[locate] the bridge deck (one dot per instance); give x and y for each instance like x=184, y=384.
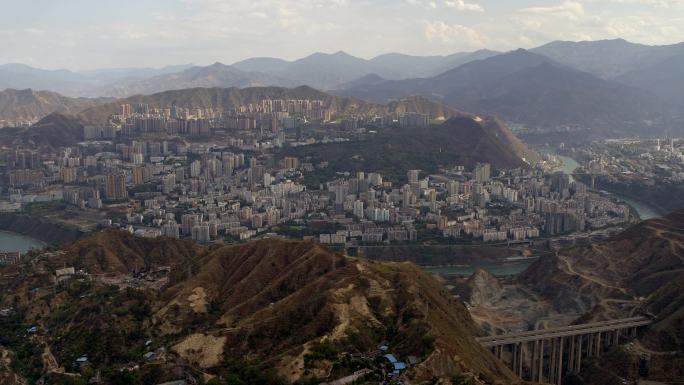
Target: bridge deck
x=566, y=331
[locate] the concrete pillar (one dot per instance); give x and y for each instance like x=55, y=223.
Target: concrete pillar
x=514, y=361
x=590, y=345
x=521, y=359
x=578, y=361
x=560, y=361
x=533, y=361
x=597, y=346
x=616, y=335
x=540, y=365
x=571, y=354
x=552, y=361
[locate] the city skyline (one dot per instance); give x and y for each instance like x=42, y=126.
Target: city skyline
x=79, y=35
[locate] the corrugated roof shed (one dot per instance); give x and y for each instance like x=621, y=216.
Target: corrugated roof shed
x=390, y=357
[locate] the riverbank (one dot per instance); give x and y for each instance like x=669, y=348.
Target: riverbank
x=509, y=267
x=443, y=255
x=645, y=210
x=649, y=202
x=50, y=233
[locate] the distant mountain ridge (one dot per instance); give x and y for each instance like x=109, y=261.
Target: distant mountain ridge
x=332, y=70
x=606, y=88
x=608, y=58
x=74, y=84
x=530, y=89
x=319, y=70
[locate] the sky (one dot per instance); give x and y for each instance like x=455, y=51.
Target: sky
x=89, y=34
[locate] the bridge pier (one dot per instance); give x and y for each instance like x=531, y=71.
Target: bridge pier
x=540, y=364
x=521, y=358
x=578, y=362
x=597, y=345
x=571, y=355
x=552, y=359
x=559, y=371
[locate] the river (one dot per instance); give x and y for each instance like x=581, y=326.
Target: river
x=17, y=242
x=644, y=211
x=499, y=269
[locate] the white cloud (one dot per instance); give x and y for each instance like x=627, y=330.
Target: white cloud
x=441, y=32
x=461, y=5
x=567, y=8
x=205, y=31
x=649, y=3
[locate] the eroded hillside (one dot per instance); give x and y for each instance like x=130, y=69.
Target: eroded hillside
x=274, y=310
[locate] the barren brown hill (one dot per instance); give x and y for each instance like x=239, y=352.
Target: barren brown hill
x=635, y=263
x=640, y=271
x=29, y=104
x=54, y=130
x=463, y=140
x=265, y=312
x=117, y=252
x=275, y=301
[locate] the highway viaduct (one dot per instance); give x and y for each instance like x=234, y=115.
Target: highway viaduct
x=548, y=355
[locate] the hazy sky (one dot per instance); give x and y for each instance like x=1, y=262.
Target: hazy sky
x=86, y=34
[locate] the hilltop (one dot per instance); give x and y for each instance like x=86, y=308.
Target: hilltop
x=115, y=252
x=464, y=140
x=28, y=104
x=54, y=130
x=270, y=311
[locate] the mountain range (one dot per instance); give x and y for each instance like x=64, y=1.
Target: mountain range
x=319, y=70
x=608, y=88
x=532, y=90
x=93, y=83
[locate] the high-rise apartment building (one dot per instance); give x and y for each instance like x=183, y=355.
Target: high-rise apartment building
x=115, y=186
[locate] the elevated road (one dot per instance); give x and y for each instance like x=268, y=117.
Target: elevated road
x=566, y=331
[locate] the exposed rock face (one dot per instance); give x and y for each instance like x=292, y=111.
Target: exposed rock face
x=484, y=287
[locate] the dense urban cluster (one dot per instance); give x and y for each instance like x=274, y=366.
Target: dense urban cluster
x=647, y=162
x=236, y=187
